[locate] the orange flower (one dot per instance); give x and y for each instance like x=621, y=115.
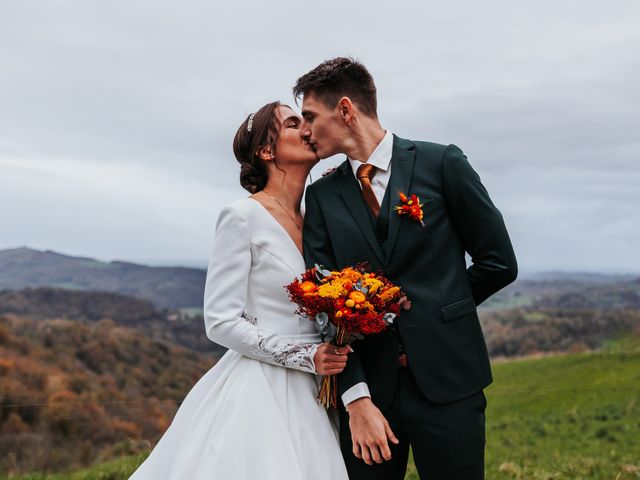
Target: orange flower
x=389, y=293
x=357, y=297
x=351, y=274
x=308, y=287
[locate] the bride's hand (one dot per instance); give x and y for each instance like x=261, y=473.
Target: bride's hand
x=330, y=360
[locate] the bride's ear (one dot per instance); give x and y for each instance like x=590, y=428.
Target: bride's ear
x=265, y=153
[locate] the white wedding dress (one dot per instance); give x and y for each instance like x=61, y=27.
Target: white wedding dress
x=254, y=415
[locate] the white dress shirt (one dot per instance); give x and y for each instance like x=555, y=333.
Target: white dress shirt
x=381, y=159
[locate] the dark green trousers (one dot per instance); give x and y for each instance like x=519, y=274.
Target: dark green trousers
x=447, y=439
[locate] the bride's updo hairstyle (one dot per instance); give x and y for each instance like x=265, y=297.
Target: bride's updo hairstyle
x=258, y=130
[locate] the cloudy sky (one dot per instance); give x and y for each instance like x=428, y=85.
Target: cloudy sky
x=116, y=118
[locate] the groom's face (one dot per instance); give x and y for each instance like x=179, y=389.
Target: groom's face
x=322, y=127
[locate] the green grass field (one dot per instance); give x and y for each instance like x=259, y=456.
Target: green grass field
x=568, y=417
x=118, y=469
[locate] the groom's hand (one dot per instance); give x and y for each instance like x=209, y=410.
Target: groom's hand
x=404, y=303
x=370, y=432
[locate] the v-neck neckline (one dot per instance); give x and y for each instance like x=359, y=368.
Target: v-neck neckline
x=284, y=230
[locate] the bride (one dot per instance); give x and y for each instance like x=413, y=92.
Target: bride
x=254, y=414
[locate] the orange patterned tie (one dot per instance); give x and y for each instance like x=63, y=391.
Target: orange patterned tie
x=365, y=174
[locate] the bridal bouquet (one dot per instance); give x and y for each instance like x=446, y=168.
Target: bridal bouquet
x=345, y=305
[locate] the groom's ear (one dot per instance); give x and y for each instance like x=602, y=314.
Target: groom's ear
x=265, y=153
x=345, y=109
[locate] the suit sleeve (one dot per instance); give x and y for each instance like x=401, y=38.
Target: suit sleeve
x=226, y=321
x=317, y=249
x=479, y=225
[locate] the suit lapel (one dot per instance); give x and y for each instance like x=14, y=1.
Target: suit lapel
x=352, y=196
x=402, y=161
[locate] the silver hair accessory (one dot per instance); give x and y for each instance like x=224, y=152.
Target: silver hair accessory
x=250, y=122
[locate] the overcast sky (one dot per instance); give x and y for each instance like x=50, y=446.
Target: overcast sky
x=116, y=118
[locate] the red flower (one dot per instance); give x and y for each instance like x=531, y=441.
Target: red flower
x=411, y=207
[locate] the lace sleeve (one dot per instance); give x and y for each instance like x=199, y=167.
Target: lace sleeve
x=225, y=319
x=274, y=349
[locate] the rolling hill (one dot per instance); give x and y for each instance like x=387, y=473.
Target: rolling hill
x=74, y=392
x=182, y=288
x=166, y=287
x=89, y=307
x=95, y=357
x=564, y=417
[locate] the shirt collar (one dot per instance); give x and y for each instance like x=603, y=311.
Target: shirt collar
x=381, y=155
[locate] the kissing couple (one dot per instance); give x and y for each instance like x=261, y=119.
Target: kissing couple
x=254, y=415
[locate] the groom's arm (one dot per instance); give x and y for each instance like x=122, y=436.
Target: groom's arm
x=479, y=225
x=370, y=431
x=317, y=249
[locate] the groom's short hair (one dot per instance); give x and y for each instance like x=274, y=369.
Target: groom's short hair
x=337, y=78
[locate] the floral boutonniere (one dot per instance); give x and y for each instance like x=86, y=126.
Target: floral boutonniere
x=411, y=207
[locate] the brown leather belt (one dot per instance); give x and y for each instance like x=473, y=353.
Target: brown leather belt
x=402, y=360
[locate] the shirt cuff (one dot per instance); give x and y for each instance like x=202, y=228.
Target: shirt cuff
x=359, y=390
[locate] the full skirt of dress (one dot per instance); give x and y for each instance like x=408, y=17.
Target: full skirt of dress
x=246, y=419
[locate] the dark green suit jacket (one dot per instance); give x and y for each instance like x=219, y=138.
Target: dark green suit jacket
x=441, y=334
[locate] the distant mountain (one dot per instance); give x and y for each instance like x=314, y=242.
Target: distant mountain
x=577, y=277
x=560, y=312
x=89, y=307
x=566, y=289
x=166, y=287
x=533, y=330
x=604, y=296
x=183, y=288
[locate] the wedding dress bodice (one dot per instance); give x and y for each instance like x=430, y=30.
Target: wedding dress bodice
x=246, y=307
x=260, y=396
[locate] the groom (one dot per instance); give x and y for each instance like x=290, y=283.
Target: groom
x=420, y=384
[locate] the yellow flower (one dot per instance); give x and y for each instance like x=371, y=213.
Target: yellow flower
x=373, y=284
x=330, y=290
x=389, y=294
